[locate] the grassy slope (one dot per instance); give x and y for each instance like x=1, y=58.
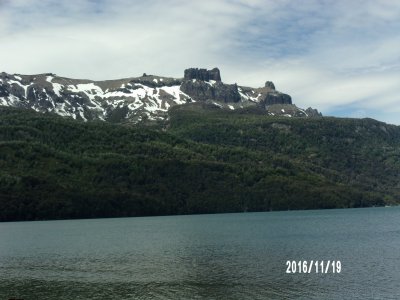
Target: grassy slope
x=207, y=161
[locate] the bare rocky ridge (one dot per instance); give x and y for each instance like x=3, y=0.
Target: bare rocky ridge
x=135, y=99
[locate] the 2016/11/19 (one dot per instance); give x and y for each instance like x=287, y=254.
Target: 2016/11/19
x=317, y=266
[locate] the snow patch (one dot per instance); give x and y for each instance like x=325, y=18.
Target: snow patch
x=60, y=110
x=210, y=82
x=135, y=105
x=13, y=100
x=176, y=92
x=303, y=111
x=217, y=104
x=90, y=89
x=3, y=101
x=81, y=113
x=57, y=88
x=247, y=97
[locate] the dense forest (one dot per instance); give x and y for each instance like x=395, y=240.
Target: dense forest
x=202, y=160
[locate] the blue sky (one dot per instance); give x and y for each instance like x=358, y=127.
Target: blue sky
x=341, y=57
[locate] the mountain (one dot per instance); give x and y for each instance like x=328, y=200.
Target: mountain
x=154, y=145
x=203, y=159
x=137, y=99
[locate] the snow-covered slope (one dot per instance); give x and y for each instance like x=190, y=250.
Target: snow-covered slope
x=134, y=99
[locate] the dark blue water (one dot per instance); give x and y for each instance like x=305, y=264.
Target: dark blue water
x=225, y=256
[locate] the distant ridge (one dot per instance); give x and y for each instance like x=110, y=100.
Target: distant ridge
x=135, y=99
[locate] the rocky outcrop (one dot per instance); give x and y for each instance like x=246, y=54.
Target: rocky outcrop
x=270, y=85
x=312, y=112
x=197, y=85
x=226, y=92
x=270, y=96
x=276, y=98
x=202, y=74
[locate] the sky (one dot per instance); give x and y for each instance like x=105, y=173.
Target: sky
x=341, y=57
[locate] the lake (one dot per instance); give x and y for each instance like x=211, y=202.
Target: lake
x=221, y=256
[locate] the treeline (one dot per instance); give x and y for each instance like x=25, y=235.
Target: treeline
x=200, y=162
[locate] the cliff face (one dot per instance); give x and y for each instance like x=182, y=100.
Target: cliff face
x=202, y=74
x=148, y=97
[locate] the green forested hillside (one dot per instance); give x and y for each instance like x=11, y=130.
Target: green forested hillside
x=202, y=161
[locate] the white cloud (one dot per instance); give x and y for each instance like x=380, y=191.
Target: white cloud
x=327, y=54
x=125, y=41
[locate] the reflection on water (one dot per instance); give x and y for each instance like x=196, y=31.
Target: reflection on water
x=228, y=256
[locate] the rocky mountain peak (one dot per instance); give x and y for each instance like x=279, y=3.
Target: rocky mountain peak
x=202, y=74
